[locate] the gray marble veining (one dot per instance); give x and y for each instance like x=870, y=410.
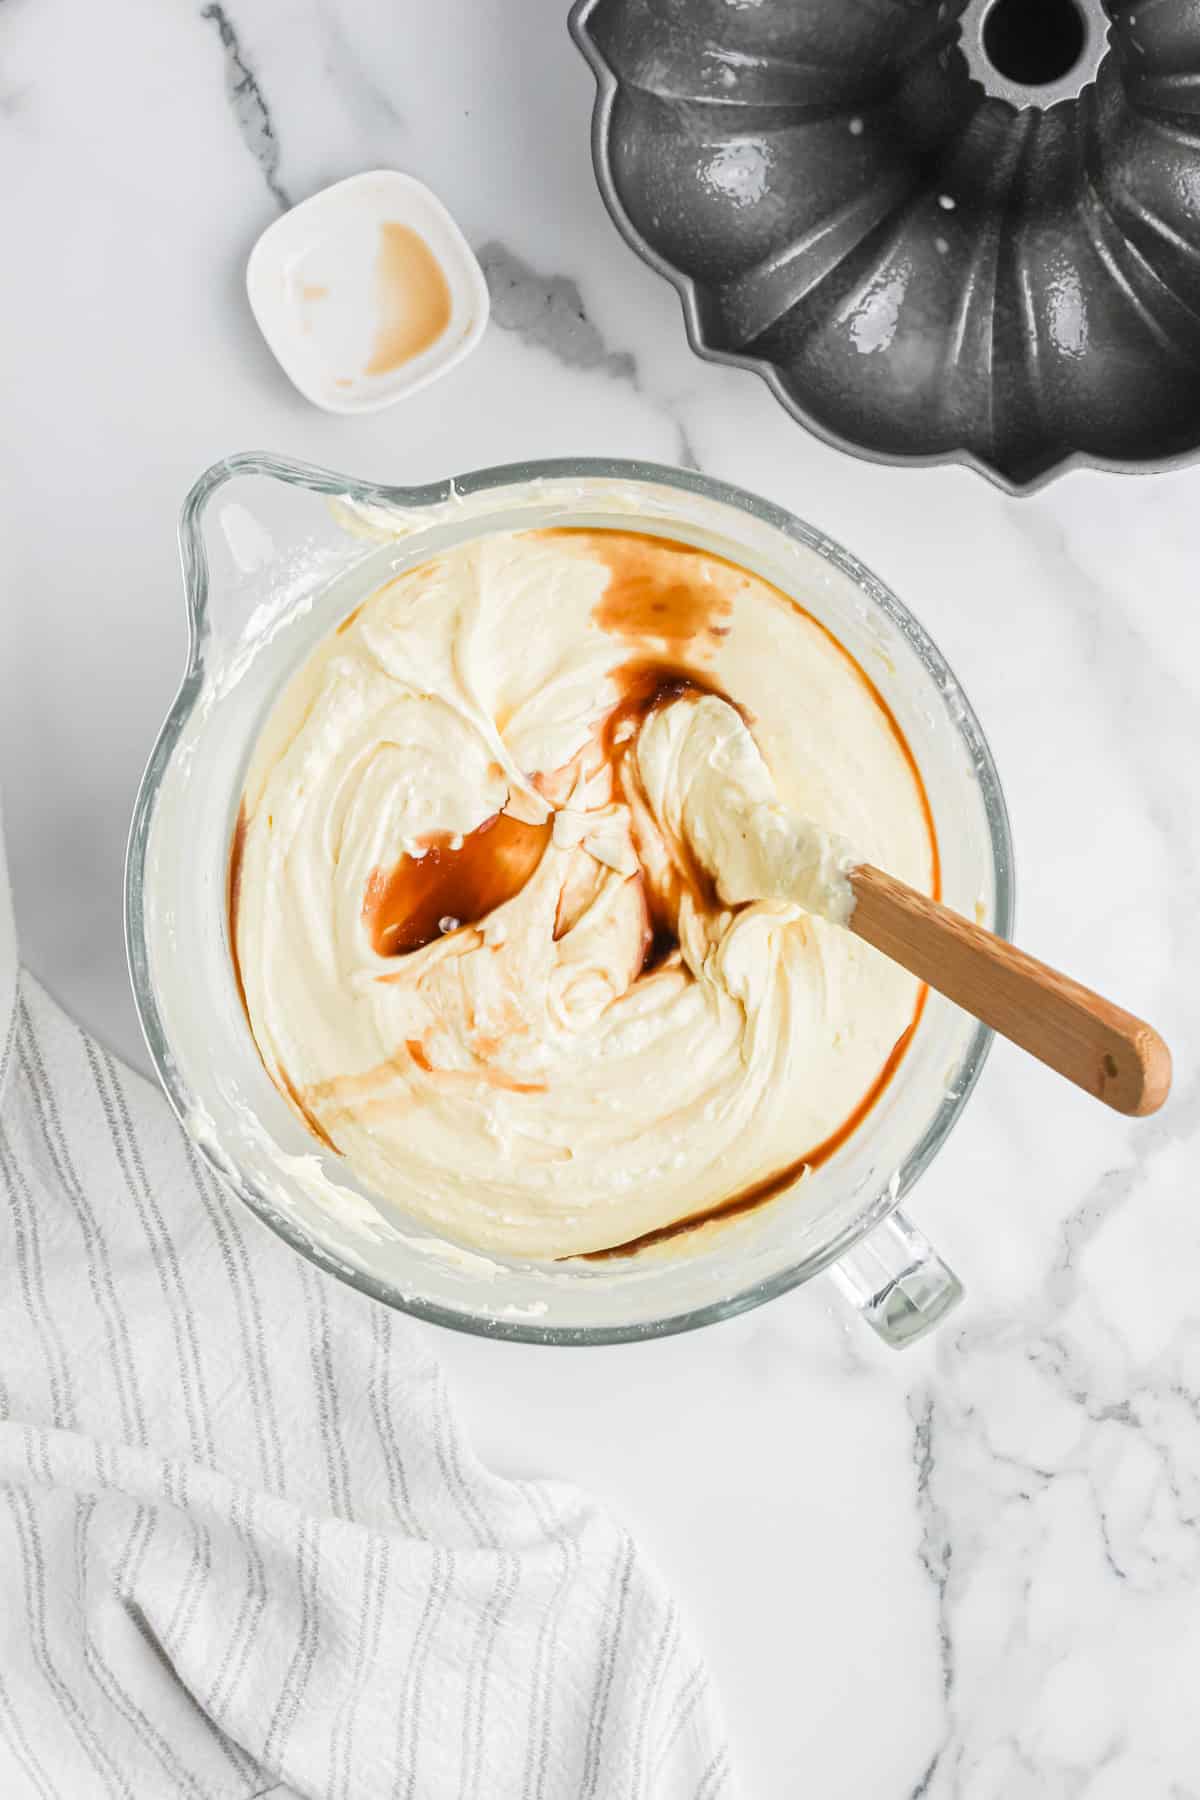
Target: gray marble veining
x=250, y=109
x=353, y=69
x=548, y=311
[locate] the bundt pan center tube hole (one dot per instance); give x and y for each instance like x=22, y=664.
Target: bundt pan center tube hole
x=1034, y=41
x=1034, y=53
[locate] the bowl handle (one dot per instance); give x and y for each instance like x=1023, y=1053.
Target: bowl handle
x=897, y=1281
x=260, y=531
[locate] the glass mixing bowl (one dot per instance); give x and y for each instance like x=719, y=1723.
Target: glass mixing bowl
x=274, y=554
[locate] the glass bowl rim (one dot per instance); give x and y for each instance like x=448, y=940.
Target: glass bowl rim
x=194, y=560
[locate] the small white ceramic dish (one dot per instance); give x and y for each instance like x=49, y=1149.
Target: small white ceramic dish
x=366, y=292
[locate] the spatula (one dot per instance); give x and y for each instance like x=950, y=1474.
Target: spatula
x=1097, y=1045
x=756, y=849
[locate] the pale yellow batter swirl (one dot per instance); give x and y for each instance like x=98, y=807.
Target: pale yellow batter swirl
x=496, y=921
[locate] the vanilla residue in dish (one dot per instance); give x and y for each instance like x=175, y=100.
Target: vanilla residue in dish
x=369, y=307
x=411, y=295
x=527, y=930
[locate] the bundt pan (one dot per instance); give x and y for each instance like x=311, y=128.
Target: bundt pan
x=967, y=229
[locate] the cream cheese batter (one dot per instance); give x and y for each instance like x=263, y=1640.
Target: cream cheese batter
x=527, y=927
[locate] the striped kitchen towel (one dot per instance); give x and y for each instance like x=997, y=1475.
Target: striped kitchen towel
x=244, y=1547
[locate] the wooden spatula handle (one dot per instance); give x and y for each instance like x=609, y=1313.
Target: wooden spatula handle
x=1100, y=1047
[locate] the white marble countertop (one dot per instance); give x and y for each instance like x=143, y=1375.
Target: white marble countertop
x=972, y=1569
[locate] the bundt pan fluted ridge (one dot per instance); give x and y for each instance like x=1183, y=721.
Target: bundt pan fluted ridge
x=941, y=229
